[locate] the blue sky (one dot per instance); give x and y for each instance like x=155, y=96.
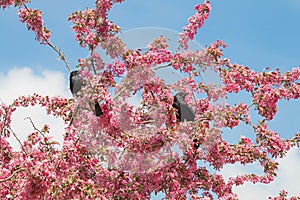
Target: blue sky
x=259, y=34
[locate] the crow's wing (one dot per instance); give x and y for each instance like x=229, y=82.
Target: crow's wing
x=184, y=111
x=98, y=110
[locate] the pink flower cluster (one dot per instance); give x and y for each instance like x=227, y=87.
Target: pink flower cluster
x=274, y=145
x=267, y=88
x=113, y=46
x=92, y=26
x=283, y=196
x=6, y=3
x=159, y=43
x=33, y=19
x=195, y=22
x=5, y=119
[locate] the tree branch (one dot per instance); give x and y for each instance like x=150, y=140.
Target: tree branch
x=62, y=56
x=162, y=66
x=15, y=135
x=12, y=175
x=123, y=89
x=92, y=60
x=34, y=127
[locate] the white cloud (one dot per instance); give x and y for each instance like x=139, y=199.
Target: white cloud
x=22, y=81
x=287, y=179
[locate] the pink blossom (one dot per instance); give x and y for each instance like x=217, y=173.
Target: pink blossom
x=33, y=19
x=195, y=22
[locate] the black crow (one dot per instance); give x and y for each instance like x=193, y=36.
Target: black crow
x=184, y=111
x=76, y=83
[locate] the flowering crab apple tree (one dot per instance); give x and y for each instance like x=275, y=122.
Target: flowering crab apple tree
x=126, y=153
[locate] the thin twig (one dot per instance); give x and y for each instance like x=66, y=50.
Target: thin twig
x=34, y=126
x=200, y=120
x=93, y=63
x=162, y=66
x=26, y=7
x=62, y=56
x=47, y=143
x=200, y=74
x=72, y=119
x=19, y=141
x=12, y=175
x=122, y=90
x=148, y=121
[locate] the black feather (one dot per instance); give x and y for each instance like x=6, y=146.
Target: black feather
x=98, y=110
x=184, y=111
x=76, y=82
